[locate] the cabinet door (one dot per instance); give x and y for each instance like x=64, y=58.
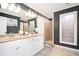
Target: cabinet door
x=39, y=41
x=1, y=49
x=25, y=47
x=7, y=49
x=38, y=44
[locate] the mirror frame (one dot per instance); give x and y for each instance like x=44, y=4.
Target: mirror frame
x=34, y=19
x=13, y=17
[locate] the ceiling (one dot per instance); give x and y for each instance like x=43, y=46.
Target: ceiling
x=48, y=9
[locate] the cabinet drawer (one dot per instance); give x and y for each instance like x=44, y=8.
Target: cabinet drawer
x=38, y=43
x=38, y=39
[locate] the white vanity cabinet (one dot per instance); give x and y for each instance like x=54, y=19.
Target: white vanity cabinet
x=24, y=47
x=38, y=43
x=8, y=48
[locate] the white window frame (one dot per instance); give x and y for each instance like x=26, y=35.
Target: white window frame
x=75, y=29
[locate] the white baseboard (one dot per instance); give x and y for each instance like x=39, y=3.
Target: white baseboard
x=76, y=50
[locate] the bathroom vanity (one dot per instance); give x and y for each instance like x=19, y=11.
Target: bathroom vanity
x=18, y=45
x=20, y=33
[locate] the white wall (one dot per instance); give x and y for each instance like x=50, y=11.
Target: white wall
x=53, y=31
x=40, y=24
x=7, y=12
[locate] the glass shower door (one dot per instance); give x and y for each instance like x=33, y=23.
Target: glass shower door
x=68, y=28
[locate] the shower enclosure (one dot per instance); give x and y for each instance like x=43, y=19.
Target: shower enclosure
x=68, y=28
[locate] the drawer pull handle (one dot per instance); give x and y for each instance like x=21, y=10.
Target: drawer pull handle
x=17, y=48
x=38, y=40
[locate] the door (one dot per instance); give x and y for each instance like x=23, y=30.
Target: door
x=3, y=25
x=37, y=44
x=26, y=47
x=48, y=30
x=68, y=28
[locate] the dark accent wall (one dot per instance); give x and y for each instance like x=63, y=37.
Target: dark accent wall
x=57, y=28
x=12, y=29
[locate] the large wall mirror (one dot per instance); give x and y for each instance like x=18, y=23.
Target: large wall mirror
x=8, y=23
x=28, y=26
x=25, y=14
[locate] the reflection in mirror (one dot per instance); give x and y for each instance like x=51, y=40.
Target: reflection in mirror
x=26, y=14
x=23, y=27
x=32, y=25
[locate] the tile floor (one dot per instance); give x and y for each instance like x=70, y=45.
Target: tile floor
x=57, y=51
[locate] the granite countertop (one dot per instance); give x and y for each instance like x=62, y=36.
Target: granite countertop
x=6, y=38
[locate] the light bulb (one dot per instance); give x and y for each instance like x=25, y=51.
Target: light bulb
x=12, y=7
x=17, y=9
x=4, y=5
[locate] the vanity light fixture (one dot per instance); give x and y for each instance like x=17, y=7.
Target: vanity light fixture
x=32, y=14
x=28, y=14
x=4, y=5
x=12, y=7
x=17, y=9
